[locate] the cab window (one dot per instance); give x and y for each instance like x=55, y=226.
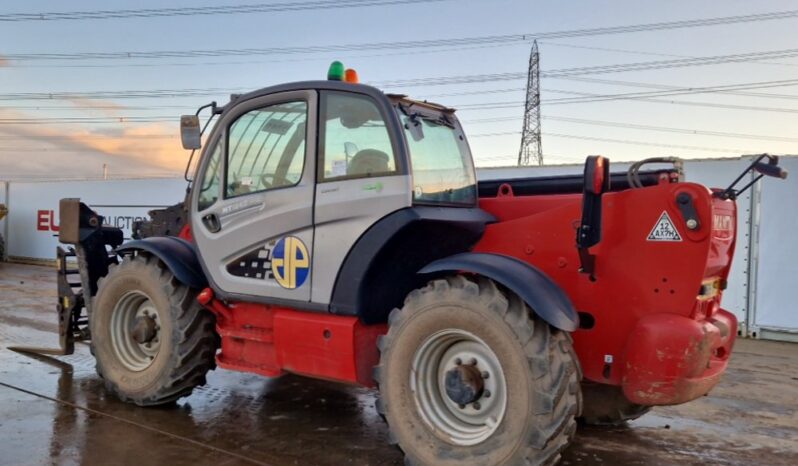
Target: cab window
x=355, y=142
x=443, y=172
x=266, y=149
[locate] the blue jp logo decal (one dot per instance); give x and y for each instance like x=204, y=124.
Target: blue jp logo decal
x=290, y=262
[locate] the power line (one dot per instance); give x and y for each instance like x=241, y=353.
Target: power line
x=350, y=56
x=275, y=7
x=409, y=44
x=641, y=52
x=636, y=126
x=672, y=90
x=430, y=81
x=646, y=143
x=666, y=129
x=83, y=137
x=586, y=70
x=584, y=97
x=589, y=98
x=761, y=85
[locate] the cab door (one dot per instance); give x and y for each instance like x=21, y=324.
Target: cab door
x=252, y=203
x=362, y=177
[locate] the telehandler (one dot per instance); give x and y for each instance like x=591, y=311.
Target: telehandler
x=335, y=231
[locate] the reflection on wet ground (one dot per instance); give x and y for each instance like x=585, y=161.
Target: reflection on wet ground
x=56, y=411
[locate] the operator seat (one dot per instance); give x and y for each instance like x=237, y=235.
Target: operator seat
x=368, y=161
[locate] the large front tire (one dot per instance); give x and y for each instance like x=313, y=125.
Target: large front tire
x=152, y=340
x=522, y=393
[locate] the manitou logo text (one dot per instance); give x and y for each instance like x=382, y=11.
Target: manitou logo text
x=45, y=220
x=722, y=226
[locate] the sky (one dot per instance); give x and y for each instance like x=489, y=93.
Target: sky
x=74, y=136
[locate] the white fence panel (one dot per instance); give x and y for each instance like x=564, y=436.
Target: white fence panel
x=3, y=230
x=776, y=311
x=33, y=209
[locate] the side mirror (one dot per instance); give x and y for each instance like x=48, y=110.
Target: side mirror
x=771, y=168
x=190, y=133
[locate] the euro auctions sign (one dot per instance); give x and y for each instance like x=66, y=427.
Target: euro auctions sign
x=33, y=218
x=46, y=220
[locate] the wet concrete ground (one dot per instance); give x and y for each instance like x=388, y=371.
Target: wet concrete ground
x=55, y=411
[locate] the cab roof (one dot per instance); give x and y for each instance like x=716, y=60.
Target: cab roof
x=336, y=86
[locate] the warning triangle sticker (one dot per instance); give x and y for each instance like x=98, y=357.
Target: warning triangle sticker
x=664, y=230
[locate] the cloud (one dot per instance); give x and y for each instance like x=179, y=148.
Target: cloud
x=128, y=149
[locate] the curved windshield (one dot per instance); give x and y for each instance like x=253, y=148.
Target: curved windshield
x=443, y=172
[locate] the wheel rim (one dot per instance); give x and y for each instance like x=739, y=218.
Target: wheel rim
x=460, y=423
x=135, y=331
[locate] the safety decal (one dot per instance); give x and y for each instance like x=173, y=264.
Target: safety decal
x=290, y=262
x=664, y=230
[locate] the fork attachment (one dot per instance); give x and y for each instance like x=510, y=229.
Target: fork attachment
x=93, y=247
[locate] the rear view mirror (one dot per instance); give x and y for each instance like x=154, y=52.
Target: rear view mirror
x=190, y=133
x=771, y=169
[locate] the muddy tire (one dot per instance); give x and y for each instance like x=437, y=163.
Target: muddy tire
x=152, y=341
x=522, y=380
x=605, y=405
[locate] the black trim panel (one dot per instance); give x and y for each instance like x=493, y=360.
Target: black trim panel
x=381, y=268
x=282, y=302
x=539, y=291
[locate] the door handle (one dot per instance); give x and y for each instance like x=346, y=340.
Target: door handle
x=212, y=223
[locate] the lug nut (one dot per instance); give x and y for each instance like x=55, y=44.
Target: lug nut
x=472, y=361
x=477, y=406
x=486, y=393
x=485, y=374
x=461, y=406
x=458, y=361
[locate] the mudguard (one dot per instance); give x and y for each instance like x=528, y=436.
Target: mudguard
x=537, y=290
x=178, y=254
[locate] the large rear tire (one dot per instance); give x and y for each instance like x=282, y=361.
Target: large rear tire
x=469, y=375
x=152, y=340
x=605, y=405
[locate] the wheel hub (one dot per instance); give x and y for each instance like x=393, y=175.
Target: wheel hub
x=144, y=330
x=464, y=384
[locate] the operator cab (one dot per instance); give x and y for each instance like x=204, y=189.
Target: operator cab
x=294, y=178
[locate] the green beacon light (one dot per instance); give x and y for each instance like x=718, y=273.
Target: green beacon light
x=336, y=72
